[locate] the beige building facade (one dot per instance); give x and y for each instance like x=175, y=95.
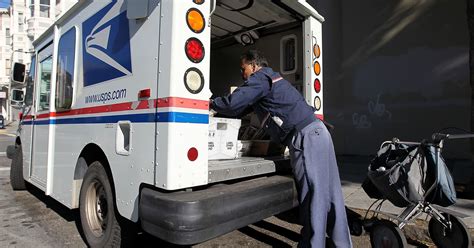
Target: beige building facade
x=21, y=24
x=5, y=57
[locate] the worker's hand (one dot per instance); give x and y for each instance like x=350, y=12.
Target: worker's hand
x=212, y=112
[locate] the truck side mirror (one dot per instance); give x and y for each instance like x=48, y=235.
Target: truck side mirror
x=17, y=96
x=19, y=73
x=137, y=9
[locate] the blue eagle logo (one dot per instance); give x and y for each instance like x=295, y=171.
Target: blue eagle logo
x=106, y=44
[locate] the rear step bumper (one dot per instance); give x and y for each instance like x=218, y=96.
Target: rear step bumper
x=192, y=217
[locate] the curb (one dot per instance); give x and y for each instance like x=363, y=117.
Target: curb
x=9, y=123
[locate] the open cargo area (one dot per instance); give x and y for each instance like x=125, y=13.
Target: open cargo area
x=242, y=25
x=240, y=148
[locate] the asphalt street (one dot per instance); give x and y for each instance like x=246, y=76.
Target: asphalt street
x=31, y=219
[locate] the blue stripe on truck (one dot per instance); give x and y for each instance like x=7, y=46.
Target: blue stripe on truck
x=173, y=117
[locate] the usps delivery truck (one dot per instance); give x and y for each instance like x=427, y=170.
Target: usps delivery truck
x=116, y=115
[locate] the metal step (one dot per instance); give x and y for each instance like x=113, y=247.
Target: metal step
x=223, y=170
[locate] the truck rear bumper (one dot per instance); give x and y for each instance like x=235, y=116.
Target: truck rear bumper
x=192, y=217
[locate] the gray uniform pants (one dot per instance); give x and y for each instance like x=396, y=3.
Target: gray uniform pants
x=320, y=195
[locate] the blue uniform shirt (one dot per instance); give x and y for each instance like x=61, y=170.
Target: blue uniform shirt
x=274, y=100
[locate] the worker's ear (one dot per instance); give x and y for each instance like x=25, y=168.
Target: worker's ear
x=254, y=67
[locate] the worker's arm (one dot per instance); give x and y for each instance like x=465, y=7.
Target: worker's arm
x=243, y=97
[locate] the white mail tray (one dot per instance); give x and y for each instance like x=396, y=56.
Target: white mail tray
x=223, y=133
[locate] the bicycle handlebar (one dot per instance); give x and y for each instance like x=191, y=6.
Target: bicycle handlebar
x=437, y=139
x=441, y=136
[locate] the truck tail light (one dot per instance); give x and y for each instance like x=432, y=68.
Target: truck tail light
x=317, y=103
x=317, y=85
x=193, y=80
x=192, y=154
x=195, y=20
x=194, y=50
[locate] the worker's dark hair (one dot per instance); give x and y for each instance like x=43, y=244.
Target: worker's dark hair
x=254, y=56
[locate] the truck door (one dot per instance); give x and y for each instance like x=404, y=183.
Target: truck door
x=313, y=58
x=27, y=127
x=41, y=124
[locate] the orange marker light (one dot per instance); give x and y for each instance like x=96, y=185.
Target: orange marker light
x=317, y=50
x=317, y=68
x=195, y=20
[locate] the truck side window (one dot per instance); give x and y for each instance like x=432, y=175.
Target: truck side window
x=288, y=54
x=65, y=70
x=30, y=83
x=45, y=84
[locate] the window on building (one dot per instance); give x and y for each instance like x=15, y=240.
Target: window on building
x=44, y=8
x=8, y=66
x=30, y=83
x=58, y=7
x=45, y=69
x=8, y=37
x=20, y=22
x=32, y=8
x=65, y=70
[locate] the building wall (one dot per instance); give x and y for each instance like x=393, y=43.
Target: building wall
x=5, y=46
x=395, y=68
x=29, y=19
x=18, y=14
x=5, y=56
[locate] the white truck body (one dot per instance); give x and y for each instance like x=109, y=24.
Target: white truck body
x=124, y=62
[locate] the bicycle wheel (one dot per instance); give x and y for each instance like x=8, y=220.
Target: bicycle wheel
x=356, y=227
x=385, y=234
x=456, y=237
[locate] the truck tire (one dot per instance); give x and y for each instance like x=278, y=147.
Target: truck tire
x=16, y=170
x=97, y=209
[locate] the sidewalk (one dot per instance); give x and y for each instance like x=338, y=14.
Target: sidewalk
x=353, y=171
x=10, y=128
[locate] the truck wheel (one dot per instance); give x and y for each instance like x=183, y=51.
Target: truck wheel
x=16, y=170
x=97, y=209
